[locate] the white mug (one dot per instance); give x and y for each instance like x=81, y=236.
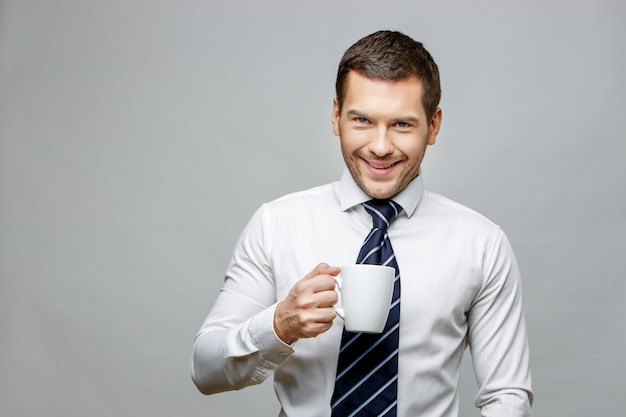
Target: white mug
x=365, y=293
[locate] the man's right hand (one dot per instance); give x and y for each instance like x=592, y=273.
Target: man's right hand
x=308, y=311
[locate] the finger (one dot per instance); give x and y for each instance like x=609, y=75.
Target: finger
x=329, y=270
x=316, y=271
x=327, y=298
x=318, y=322
x=323, y=283
x=322, y=269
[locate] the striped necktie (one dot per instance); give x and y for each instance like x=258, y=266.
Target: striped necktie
x=367, y=370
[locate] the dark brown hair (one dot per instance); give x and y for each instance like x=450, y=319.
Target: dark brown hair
x=392, y=56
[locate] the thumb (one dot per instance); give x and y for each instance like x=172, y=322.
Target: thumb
x=323, y=269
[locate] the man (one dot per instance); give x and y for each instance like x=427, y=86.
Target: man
x=460, y=285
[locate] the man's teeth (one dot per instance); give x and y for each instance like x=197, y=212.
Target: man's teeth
x=380, y=166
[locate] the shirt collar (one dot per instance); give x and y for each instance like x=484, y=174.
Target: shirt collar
x=351, y=195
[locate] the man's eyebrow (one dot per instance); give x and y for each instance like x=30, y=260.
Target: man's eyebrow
x=357, y=113
x=407, y=119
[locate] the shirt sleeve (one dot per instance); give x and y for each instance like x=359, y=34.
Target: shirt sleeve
x=236, y=345
x=497, y=336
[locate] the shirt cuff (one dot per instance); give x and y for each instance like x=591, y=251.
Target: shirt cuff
x=269, y=344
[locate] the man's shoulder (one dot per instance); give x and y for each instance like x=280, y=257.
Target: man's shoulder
x=449, y=210
x=318, y=195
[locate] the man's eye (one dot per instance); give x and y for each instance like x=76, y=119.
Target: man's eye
x=403, y=124
x=361, y=120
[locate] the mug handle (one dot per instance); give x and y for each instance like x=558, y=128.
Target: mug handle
x=339, y=310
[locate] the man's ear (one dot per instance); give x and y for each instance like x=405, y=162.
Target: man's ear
x=336, y=116
x=435, y=126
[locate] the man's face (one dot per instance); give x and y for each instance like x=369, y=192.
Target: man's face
x=384, y=132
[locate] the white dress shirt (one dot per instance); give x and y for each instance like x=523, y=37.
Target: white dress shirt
x=460, y=287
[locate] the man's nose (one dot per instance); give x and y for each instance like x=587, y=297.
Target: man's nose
x=381, y=145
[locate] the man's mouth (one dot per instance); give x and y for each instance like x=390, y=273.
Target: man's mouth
x=381, y=164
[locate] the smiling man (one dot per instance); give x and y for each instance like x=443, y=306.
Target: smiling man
x=457, y=282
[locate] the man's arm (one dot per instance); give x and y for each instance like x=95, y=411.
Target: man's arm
x=229, y=358
x=247, y=334
x=497, y=336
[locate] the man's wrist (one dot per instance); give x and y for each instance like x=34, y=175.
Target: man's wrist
x=280, y=330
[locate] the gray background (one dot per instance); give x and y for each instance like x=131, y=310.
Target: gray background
x=124, y=125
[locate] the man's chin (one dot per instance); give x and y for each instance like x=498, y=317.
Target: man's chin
x=375, y=187
x=379, y=191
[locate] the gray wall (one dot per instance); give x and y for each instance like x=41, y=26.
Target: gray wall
x=124, y=125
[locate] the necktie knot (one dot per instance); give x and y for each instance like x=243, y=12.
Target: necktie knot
x=383, y=212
